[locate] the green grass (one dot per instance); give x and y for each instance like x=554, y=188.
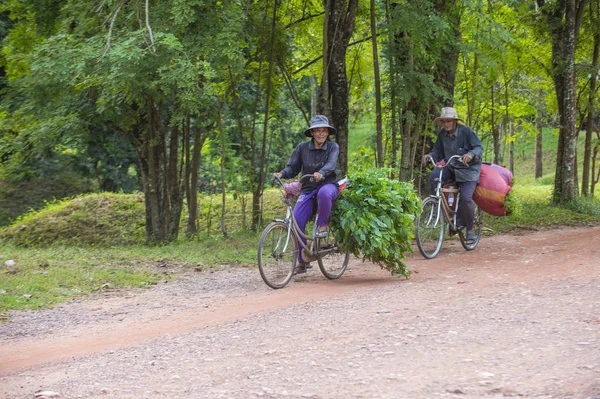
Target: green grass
x=44, y=276
x=76, y=247
x=537, y=211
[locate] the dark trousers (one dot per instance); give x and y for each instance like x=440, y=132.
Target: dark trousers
x=466, y=206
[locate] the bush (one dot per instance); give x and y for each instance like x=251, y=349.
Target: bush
x=375, y=217
x=94, y=219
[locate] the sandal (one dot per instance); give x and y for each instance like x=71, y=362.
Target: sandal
x=470, y=239
x=321, y=234
x=302, y=268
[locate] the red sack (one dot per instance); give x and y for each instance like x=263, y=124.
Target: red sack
x=494, y=184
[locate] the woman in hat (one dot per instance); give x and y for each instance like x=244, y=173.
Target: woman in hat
x=457, y=139
x=318, y=157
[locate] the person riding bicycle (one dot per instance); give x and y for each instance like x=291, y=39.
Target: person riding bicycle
x=458, y=139
x=318, y=157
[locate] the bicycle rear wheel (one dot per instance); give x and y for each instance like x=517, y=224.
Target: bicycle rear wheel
x=430, y=228
x=277, y=255
x=332, y=261
x=477, y=227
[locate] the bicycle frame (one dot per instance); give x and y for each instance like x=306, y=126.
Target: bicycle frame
x=293, y=227
x=282, y=241
x=437, y=214
x=448, y=213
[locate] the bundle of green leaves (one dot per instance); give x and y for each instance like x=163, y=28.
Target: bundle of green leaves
x=374, y=218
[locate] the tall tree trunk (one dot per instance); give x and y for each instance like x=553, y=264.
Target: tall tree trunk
x=594, y=179
x=392, y=85
x=495, y=130
x=192, y=199
x=174, y=187
x=261, y=175
x=314, y=96
x=378, y=122
x=512, y=150
x=591, y=112
x=162, y=179
x=340, y=17
x=539, y=153
x=222, y=168
x=445, y=71
x=405, y=140
x=564, y=19
x=324, y=93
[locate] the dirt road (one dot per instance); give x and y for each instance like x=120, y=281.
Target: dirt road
x=518, y=317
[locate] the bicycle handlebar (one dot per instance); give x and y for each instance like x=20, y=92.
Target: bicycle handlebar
x=459, y=157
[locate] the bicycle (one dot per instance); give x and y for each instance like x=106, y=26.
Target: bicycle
x=438, y=213
x=281, y=240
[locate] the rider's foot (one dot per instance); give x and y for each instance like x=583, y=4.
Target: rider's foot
x=322, y=232
x=470, y=238
x=302, y=267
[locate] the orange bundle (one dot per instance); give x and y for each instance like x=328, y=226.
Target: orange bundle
x=494, y=184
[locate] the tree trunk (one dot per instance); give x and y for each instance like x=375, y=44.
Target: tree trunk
x=495, y=131
x=538, y=153
x=314, y=96
x=585, y=181
x=261, y=175
x=392, y=85
x=222, y=169
x=324, y=94
x=340, y=17
x=512, y=151
x=162, y=179
x=594, y=180
x=192, y=199
x=564, y=19
x=379, y=127
x=445, y=72
x=174, y=187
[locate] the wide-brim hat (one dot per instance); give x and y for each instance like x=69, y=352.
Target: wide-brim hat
x=319, y=121
x=447, y=113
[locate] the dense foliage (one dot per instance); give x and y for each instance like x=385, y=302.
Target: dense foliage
x=374, y=218
x=176, y=98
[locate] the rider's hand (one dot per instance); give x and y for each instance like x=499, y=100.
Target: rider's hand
x=278, y=175
x=466, y=159
x=318, y=176
x=426, y=158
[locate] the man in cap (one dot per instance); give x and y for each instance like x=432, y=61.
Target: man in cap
x=457, y=139
x=318, y=157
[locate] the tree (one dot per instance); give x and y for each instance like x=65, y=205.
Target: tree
x=587, y=174
x=340, y=16
x=563, y=19
x=143, y=77
x=378, y=121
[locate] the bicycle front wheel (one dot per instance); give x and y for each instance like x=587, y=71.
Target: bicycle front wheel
x=332, y=261
x=430, y=228
x=477, y=227
x=277, y=255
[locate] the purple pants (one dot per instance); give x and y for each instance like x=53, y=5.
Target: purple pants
x=304, y=208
